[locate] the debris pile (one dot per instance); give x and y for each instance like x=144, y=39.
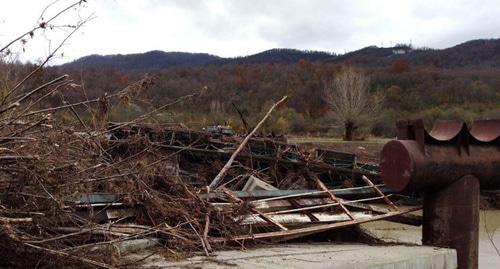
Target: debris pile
x=67, y=197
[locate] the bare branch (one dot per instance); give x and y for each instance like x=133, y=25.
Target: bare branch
x=42, y=24
x=48, y=58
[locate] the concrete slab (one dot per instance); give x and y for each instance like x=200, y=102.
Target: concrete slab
x=313, y=256
x=489, y=236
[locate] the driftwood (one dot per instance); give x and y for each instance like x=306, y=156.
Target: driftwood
x=226, y=167
x=66, y=255
x=14, y=220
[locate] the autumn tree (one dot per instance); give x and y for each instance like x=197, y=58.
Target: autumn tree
x=350, y=100
x=400, y=66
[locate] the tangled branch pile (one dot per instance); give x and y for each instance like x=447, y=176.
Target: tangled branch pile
x=46, y=167
x=69, y=194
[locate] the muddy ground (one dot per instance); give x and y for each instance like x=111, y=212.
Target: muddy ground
x=366, y=151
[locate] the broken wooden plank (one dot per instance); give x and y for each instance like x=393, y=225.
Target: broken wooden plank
x=15, y=220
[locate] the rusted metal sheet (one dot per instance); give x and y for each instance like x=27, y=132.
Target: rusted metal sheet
x=298, y=205
x=485, y=130
x=446, y=130
x=293, y=217
x=254, y=183
x=315, y=228
x=301, y=219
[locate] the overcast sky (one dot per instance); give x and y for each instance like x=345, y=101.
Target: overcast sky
x=241, y=27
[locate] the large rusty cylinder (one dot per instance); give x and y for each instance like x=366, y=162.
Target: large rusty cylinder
x=429, y=161
x=406, y=167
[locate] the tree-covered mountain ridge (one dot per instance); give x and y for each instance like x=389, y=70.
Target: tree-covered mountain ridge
x=481, y=53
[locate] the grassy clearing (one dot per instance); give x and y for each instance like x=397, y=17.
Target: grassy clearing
x=332, y=140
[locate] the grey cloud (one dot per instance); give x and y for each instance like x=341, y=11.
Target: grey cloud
x=238, y=27
x=334, y=25
x=284, y=23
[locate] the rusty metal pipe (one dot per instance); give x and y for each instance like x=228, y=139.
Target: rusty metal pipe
x=406, y=167
x=422, y=161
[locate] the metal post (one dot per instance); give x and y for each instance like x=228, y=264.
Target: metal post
x=451, y=219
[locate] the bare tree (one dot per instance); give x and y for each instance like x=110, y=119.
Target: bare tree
x=349, y=97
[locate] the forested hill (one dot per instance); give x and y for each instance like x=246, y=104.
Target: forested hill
x=149, y=60
x=483, y=53
x=283, y=56
x=461, y=82
x=163, y=60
